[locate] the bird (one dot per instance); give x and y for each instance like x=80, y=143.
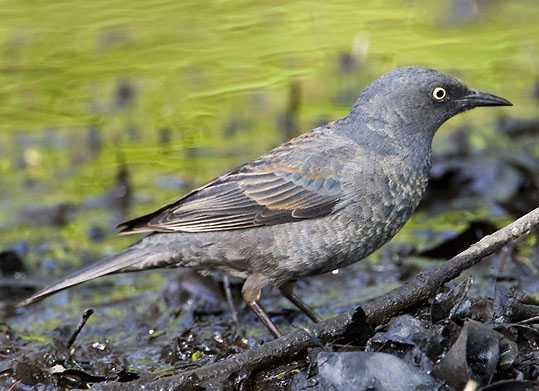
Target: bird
x=319, y=202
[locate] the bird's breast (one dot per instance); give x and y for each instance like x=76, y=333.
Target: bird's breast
x=374, y=216
x=377, y=205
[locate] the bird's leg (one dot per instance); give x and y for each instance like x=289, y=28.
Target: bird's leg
x=287, y=290
x=230, y=299
x=251, y=291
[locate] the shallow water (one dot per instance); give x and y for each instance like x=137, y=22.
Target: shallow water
x=182, y=91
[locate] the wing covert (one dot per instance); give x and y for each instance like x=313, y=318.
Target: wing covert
x=283, y=186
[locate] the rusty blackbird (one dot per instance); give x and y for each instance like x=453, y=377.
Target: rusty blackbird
x=321, y=201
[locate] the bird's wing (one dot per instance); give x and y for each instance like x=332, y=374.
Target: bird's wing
x=298, y=180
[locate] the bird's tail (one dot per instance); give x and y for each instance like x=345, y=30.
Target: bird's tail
x=114, y=263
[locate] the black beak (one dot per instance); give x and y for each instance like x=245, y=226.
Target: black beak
x=480, y=98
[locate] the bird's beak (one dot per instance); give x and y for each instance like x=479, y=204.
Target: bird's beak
x=479, y=98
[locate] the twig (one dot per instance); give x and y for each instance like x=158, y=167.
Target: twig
x=14, y=386
x=524, y=312
x=85, y=316
x=533, y=320
x=377, y=311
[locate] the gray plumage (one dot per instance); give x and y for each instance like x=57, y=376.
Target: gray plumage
x=321, y=201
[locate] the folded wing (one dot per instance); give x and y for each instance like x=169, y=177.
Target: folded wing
x=281, y=187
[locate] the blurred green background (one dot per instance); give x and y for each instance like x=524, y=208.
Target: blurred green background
x=180, y=91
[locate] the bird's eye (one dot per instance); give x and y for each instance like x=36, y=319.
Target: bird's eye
x=439, y=93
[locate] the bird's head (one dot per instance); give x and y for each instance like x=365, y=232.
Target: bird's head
x=416, y=99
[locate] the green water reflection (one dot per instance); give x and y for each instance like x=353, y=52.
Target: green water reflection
x=185, y=90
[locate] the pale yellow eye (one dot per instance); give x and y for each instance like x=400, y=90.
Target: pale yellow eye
x=439, y=93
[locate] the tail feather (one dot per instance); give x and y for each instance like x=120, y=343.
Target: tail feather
x=108, y=265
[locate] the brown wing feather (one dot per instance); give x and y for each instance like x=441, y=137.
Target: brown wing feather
x=241, y=200
x=285, y=185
